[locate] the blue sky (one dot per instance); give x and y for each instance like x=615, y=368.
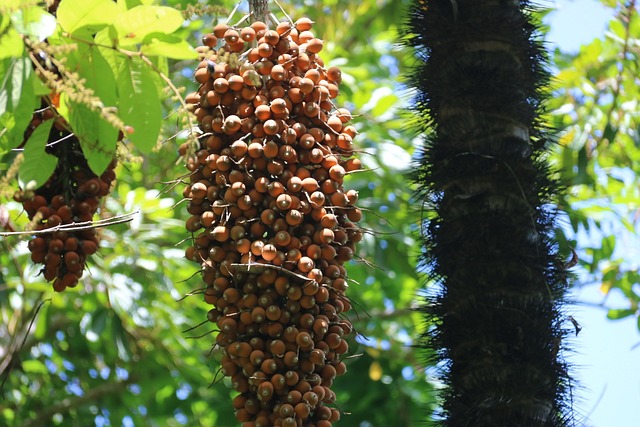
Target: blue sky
x=605, y=361
x=576, y=22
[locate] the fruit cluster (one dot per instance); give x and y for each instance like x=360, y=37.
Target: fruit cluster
x=71, y=195
x=272, y=223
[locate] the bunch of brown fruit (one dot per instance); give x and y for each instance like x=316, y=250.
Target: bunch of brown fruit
x=272, y=223
x=70, y=197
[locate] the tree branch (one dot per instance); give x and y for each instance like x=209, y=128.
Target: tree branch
x=70, y=403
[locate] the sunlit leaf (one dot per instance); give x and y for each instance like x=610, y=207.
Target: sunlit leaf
x=34, y=22
x=384, y=104
x=88, y=15
x=616, y=314
x=136, y=24
x=608, y=245
x=169, y=46
x=34, y=366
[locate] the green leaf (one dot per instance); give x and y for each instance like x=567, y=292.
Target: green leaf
x=39, y=88
x=164, y=393
x=17, y=100
x=97, y=137
x=11, y=44
x=136, y=24
x=89, y=127
x=384, y=104
x=109, y=37
x=86, y=15
x=38, y=165
x=619, y=313
x=34, y=366
x=99, y=320
x=130, y=4
x=617, y=28
x=583, y=176
x=140, y=105
x=610, y=132
x=159, y=44
x=34, y=22
x=120, y=335
x=42, y=322
x=608, y=245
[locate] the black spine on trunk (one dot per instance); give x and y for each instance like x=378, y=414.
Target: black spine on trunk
x=480, y=82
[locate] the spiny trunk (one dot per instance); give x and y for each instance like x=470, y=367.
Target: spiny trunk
x=259, y=10
x=480, y=81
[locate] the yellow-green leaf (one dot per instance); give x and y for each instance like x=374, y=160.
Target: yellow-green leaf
x=86, y=15
x=136, y=24
x=34, y=22
x=11, y=44
x=34, y=366
x=619, y=313
x=176, y=50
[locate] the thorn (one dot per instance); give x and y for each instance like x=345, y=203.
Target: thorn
x=576, y=325
x=573, y=261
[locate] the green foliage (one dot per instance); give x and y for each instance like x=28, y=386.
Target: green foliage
x=17, y=100
x=86, y=17
x=114, y=347
x=100, y=56
x=596, y=110
x=38, y=165
x=140, y=107
x=10, y=43
x=97, y=136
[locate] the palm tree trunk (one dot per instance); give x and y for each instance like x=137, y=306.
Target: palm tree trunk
x=480, y=80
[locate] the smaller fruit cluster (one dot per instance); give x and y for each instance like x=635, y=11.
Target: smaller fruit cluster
x=70, y=196
x=271, y=220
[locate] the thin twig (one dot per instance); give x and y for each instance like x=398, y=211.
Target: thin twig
x=75, y=226
x=195, y=327
x=10, y=356
x=203, y=335
x=259, y=268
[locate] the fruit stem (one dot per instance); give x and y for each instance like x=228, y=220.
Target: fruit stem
x=260, y=9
